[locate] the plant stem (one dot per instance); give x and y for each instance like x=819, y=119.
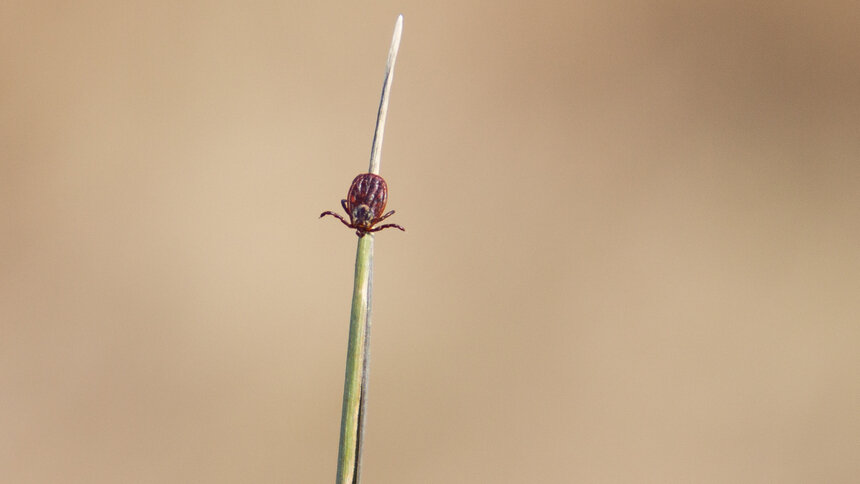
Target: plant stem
x=382, y=114
x=358, y=349
x=357, y=358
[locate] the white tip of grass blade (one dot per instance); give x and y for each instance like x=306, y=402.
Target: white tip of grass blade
x=376, y=149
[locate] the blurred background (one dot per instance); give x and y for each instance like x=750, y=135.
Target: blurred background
x=632, y=247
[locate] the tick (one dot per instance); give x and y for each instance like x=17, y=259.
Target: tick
x=365, y=204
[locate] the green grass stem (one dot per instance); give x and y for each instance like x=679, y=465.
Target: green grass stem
x=357, y=358
x=358, y=348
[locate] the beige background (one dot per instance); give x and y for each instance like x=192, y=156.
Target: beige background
x=632, y=248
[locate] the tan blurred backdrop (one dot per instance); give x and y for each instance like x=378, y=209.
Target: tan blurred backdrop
x=632, y=248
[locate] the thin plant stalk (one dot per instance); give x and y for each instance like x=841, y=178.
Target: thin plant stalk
x=358, y=349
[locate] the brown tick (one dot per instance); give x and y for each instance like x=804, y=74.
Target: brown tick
x=365, y=203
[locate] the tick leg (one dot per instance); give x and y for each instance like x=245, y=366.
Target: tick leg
x=380, y=219
x=336, y=216
x=386, y=226
x=345, y=208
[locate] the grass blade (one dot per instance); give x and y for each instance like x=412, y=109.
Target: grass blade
x=358, y=349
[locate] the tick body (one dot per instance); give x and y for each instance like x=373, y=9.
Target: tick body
x=365, y=205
